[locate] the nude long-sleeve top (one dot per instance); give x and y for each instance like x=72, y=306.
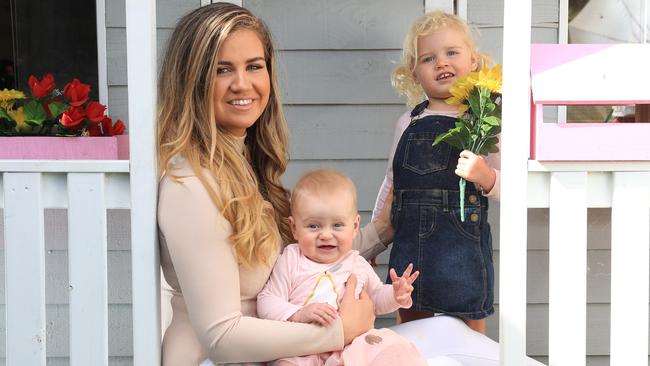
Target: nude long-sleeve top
x=214, y=298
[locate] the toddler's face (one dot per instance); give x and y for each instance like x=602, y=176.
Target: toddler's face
x=325, y=225
x=442, y=57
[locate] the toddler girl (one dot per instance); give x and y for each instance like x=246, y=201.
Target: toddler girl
x=454, y=258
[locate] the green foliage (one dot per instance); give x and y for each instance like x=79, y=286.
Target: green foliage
x=478, y=128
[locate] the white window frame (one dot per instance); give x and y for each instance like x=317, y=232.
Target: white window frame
x=102, y=62
x=236, y=2
x=458, y=7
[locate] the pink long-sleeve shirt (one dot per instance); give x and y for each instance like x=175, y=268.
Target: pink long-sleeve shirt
x=297, y=281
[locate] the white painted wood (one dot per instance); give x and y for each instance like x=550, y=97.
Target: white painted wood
x=444, y=5
x=87, y=268
x=461, y=9
x=537, y=330
x=563, y=38
x=141, y=41
x=490, y=14
x=102, y=67
x=568, y=269
x=25, y=269
x=58, y=332
x=236, y=2
x=589, y=166
x=630, y=238
x=57, y=275
x=205, y=2
x=90, y=166
x=599, y=189
x=514, y=156
x=55, y=187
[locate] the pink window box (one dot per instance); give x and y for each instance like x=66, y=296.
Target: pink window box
x=589, y=74
x=65, y=148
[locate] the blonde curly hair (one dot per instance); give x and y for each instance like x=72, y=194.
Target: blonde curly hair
x=402, y=76
x=250, y=196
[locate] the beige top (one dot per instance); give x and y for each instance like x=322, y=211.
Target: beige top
x=213, y=298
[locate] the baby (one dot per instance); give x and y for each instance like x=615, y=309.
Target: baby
x=309, y=277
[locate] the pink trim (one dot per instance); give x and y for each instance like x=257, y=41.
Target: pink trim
x=548, y=56
x=64, y=148
x=591, y=142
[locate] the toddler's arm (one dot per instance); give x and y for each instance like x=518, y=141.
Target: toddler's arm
x=480, y=171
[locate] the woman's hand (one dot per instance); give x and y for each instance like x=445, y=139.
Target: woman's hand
x=474, y=169
x=358, y=316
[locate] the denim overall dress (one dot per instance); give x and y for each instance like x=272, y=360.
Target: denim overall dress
x=454, y=258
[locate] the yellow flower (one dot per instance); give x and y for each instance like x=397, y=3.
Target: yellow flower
x=490, y=78
x=462, y=88
x=7, y=97
x=18, y=116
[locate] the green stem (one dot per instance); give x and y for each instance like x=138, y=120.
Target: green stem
x=461, y=186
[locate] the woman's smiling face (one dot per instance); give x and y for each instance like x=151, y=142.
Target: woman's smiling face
x=242, y=86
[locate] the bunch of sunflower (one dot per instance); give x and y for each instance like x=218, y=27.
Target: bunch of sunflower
x=478, y=97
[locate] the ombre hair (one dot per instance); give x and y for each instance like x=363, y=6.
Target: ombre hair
x=249, y=196
x=402, y=77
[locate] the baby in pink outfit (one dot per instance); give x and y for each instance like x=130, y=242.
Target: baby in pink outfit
x=309, y=278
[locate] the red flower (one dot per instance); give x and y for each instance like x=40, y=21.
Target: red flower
x=111, y=129
x=95, y=111
x=94, y=130
x=72, y=118
x=41, y=88
x=118, y=128
x=76, y=92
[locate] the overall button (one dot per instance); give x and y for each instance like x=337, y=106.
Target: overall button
x=472, y=198
x=473, y=217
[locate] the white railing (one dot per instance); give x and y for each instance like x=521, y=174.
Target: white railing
x=568, y=189
x=86, y=189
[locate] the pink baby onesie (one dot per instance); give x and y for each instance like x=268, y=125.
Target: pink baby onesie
x=297, y=281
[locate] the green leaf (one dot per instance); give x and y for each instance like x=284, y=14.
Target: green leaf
x=492, y=120
x=474, y=102
x=34, y=113
x=455, y=137
x=489, y=106
x=56, y=108
x=5, y=115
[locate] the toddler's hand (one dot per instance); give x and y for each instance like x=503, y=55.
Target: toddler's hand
x=474, y=169
x=323, y=314
x=402, y=286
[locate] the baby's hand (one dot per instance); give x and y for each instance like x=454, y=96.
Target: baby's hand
x=402, y=286
x=323, y=314
x=474, y=169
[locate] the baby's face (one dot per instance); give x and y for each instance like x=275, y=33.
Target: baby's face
x=325, y=225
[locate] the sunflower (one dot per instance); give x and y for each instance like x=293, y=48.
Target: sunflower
x=18, y=115
x=490, y=78
x=462, y=88
x=7, y=97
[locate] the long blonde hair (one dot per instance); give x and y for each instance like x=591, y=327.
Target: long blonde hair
x=251, y=198
x=402, y=77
